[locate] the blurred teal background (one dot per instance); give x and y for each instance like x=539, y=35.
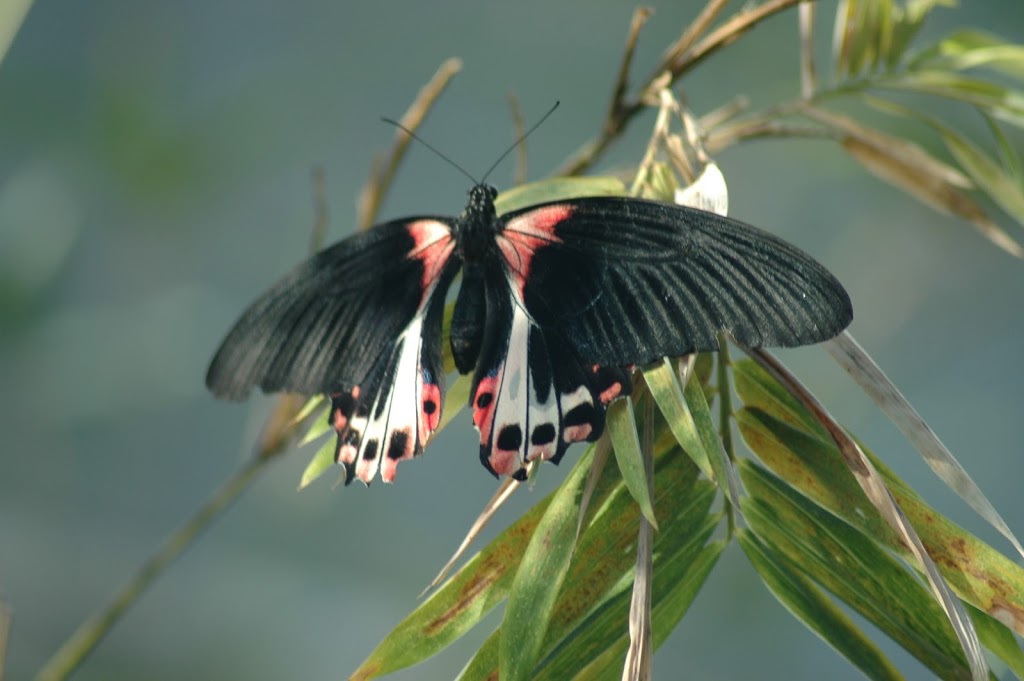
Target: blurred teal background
x=155, y=164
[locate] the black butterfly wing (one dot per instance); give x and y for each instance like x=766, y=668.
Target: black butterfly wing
x=360, y=321
x=629, y=281
x=590, y=287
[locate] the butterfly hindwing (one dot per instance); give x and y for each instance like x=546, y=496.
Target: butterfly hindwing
x=360, y=321
x=629, y=281
x=533, y=395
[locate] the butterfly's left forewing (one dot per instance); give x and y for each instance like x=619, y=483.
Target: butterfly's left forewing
x=361, y=322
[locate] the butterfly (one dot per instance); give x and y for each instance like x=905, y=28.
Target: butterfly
x=558, y=301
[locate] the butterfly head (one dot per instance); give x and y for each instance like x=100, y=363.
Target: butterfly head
x=481, y=203
x=478, y=223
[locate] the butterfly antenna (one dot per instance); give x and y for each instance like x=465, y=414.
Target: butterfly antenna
x=519, y=141
x=419, y=139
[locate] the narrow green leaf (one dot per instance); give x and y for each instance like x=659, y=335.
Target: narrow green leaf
x=958, y=203
x=621, y=423
x=710, y=440
x=999, y=639
x=455, y=398
x=1001, y=102
x=664, y=387
x=319, y=464
x=756, y=388
x=311, y=405
x=316, y=431
x=853, y=567
x=458, y=605
x=908, y=22
x=668, y=611
x=539, y=579
x=12, y=14
x=1004, y=188
x=600, y=575
x=873, y=381
x=971, y=48
x=556, y=189
x=978, y=573
x=816, y=611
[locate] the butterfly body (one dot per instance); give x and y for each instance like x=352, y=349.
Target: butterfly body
x=557, y=302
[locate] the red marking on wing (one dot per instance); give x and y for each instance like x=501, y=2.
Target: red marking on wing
x=504, y=462
x=577, y=433
x=525, y=234
x=611, y=392
x=433, y=246
x=340, y=420
x=543, y=452
x=484, y=401
x=400, y=446
x=430, y=410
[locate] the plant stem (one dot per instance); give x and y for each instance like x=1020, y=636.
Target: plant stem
x=88, y=635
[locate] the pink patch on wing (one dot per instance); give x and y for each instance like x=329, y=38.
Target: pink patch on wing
x=577, y=433
x=611, y=392
x=504, y=462
x=524, y=235
x=346, y=454
x=483, y=405
x=430, y=410
x=433, y=246
x=400, y=447
x=542, y=452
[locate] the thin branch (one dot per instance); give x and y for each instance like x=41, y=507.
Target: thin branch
x=723, y=361
x=638, y=665
x=384, y=172
x=675, y=67
x=694, y=30
x=724, y=138
x=640, y=17
x=85, y=639
x=808, y=80
x=520, y=134
x=504, y=492
x=5, y=634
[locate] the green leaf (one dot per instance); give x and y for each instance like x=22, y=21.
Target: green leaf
x=1004, y=188
x=1001, y=102
x=816, y=611
x=539, y=579
x=594, y=603
x=316, y=431
x=677, y=583
x=1004, y=185
x=971, y=48
x=756, y=388
x=710, y=440
x=852, y=566
x=664, y=387
x=999, y=639
x=978, y=573
x=621, y=423
x=557, y=189
x=319, y=464
x=909, y=20
x=458, y=605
